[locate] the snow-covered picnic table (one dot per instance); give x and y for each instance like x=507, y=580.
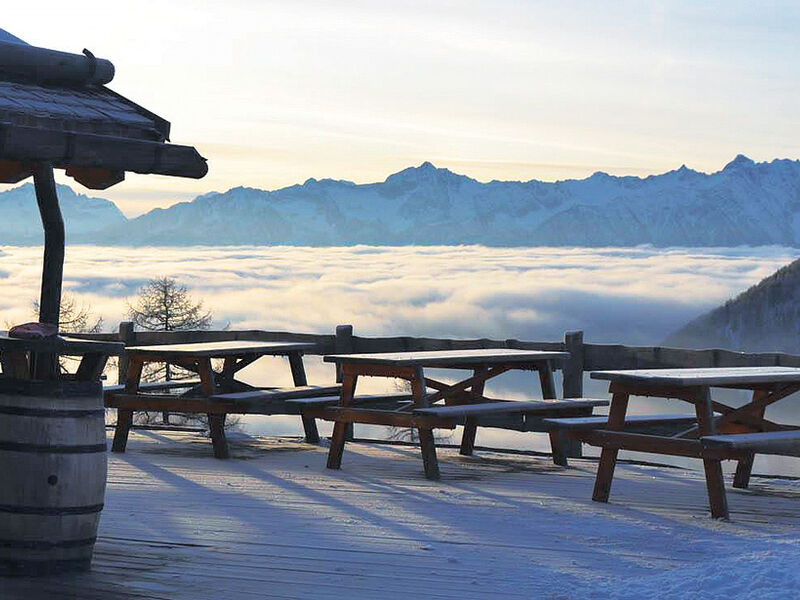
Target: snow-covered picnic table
x=464, y=400
x=218, y=393
x=721, y=432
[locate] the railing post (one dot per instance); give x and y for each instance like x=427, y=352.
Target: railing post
x=126, y=336
x=572, y=370
x=344, y=345
x=572, y=386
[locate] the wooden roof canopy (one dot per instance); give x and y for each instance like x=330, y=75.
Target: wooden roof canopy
x=55, y=112
x=54, y=107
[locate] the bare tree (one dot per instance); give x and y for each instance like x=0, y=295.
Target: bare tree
x=163, y=304
x=75, y=317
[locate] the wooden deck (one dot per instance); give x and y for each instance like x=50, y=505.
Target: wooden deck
x=272, y=522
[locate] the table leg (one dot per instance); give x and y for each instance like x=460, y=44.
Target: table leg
x=299, y=378
x=427, y=445
x=562, y=446
x=547, y=381
x=468, y=436
x=125, y=417
x=471, y=423
x=216, y=427
x=715, y=484
x=15, y=364
x=744, y=468
x=124, y=422
x=338, y=438
x=216, y=423
x=608, y=456
x=91, y=367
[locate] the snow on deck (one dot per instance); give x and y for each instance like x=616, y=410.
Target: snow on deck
x=273, y=522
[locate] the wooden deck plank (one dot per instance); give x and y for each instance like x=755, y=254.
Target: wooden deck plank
x=274, y=523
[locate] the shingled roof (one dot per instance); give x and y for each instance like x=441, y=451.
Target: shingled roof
x=55, y=107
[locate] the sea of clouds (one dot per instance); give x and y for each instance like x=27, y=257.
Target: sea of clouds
x=630, y=295
x=616, y=295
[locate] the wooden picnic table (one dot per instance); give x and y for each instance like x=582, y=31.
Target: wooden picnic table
x=463, y=399
x=721, y=432
x=17, y=355
x=196, y=357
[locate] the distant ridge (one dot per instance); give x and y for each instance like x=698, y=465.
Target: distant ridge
x=83, y=215
x=745, y=203
x=765, y=318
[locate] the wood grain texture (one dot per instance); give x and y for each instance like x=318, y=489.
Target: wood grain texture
x=448, y=358
x=703, y=377
x=217, y=349
x=489, y=408
x=53, y=457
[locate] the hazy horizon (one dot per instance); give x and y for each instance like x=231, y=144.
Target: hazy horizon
x=274, y=92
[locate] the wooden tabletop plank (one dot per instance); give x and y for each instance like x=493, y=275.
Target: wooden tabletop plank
x=220, y=349
x=702, y=377
x=449, y=358
x=59, y=345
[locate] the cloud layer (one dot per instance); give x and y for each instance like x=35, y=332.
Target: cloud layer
x=632, y=296
x=635, y=296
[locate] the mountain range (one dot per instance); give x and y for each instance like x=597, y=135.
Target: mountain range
x=745, y=203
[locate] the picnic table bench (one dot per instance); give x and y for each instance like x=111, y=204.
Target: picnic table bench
x=464, y=401
x=721, y=432
x=219, y=393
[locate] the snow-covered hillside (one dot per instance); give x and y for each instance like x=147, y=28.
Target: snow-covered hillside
x=21, y=223
x=765, y=318
x=745, y=203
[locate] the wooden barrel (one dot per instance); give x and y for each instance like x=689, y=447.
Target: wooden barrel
x=53, y=473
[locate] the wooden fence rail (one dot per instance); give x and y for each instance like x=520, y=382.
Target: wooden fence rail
x=583, y=357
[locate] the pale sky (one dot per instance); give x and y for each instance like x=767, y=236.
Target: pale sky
x=273, y=92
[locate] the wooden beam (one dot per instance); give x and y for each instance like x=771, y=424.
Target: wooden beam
x=63, y=149
x=46, y=365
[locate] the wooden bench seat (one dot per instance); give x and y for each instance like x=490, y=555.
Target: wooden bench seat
x=527, y=416
x=504, y=407
x=785, y=443
x=305, y=405
x=653, y=424
x=279, y=394
x=270, y=401
x=155, y=385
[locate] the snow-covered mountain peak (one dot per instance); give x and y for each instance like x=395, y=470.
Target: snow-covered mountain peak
x=426, y=173
x=740, y=162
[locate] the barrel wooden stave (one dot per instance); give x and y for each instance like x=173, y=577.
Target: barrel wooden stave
x=53, y=463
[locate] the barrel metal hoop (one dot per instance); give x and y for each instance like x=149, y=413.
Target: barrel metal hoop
x=51, y=412
x=39, y=567
x=51, y=511
x=44, y=545
x=51, y=449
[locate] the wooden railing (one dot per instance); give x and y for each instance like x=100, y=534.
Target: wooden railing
x=583, y=357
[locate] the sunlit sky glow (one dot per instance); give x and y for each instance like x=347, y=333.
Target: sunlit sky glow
x=275, y=92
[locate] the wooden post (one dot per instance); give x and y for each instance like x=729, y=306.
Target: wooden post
x=715, y=483
x=344, y=345
x=125, y=336
x=572, y=370
x=572, y=387
x=46, y=365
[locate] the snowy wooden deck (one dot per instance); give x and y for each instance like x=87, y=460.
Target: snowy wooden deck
x=273, y=523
